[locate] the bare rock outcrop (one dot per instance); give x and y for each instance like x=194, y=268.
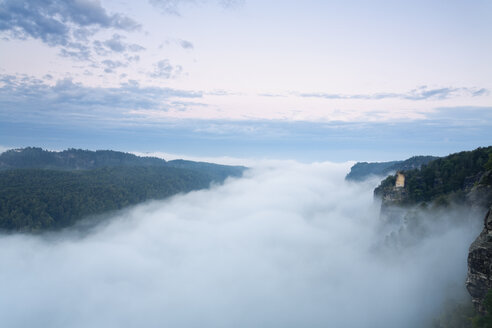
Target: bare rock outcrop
x=479, y=279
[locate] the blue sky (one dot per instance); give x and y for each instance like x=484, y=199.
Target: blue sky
x=308, y=80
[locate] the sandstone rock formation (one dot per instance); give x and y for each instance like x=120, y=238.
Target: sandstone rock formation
x=479, y=280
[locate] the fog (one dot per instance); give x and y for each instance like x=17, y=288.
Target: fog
x=287, y=245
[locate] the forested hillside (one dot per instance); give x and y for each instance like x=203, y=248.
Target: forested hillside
x=37, y=199
x=455, y=173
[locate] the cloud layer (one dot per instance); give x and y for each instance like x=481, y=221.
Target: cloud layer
x=173, y=7
x=420, y=93
x=67, y=24
x=26, y=98
x=164, y=70
x=65, y=99
x=289, y=245
x=133, y=117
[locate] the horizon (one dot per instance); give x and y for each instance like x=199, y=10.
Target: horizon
x=229, y=160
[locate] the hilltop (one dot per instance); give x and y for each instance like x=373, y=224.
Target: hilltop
x=363, y=170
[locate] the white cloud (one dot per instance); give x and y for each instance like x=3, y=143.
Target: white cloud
x=3, y=149
x=174, y=7
x=65, y=24
x=288, y=245
x=185, y=44
x=164, y=70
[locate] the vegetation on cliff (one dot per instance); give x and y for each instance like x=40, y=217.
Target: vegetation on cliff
x=462, y=315
x=451, y=176
x=485, y=320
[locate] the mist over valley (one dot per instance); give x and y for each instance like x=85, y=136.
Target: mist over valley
x=286, y=245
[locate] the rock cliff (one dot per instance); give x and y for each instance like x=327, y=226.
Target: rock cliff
x=479, y=280
x=463, y=179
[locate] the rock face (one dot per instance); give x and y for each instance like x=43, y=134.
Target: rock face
x=479, y=279
x=463, y=179
x=391, y=211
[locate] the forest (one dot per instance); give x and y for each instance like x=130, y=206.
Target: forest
x=38, y=199
x=453, y=174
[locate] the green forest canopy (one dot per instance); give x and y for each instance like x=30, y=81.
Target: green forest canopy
x=38, y=199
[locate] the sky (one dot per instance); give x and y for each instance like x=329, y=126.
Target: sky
x=303, y=80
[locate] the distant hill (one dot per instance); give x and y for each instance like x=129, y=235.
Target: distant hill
x=43, y=190
x=78, y=159
x=72, y=159
x=363, y=170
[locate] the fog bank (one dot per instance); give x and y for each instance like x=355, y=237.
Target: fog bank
x=290, y=245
